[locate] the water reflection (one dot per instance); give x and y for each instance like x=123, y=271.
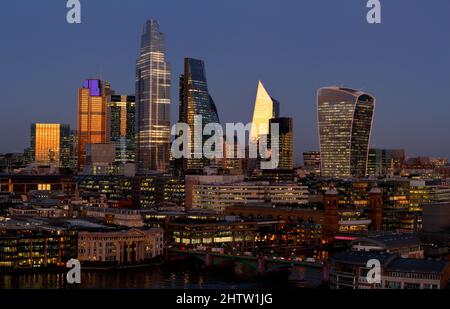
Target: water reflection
x=166, y=277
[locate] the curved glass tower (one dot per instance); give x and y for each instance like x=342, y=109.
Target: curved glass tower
x=152, y=103
x=195, y=100
x=345, y=122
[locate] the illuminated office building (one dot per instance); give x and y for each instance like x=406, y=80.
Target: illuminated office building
x=345, y=122
x=121, y=127
x=73, y=149
x=152, y=103
x=195, y=100
x=285, y=142
x=29, y=247
x=220, y=196
x=50, y=143
x=311, y=162
x=266, y=108
x=92, y=99
x=380, y=163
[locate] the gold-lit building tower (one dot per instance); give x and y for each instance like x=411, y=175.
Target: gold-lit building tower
x=50, y=143
x=92, y=105
x=266, y=108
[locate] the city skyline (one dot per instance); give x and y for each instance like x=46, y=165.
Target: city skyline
x=399, y=95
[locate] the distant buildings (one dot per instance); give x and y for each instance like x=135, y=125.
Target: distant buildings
x=285, y=147
x=195, y=100
x=385, y=162
x=311, y=162
x=265, y=109
x=220, y=196
x=100, y=159
x=213, y=234
x=436, y=218
x=152, y=103
x=50, y=144
x=345, y=123
x=121, y=127
x=92, y=104
x=122, y=217
x=23, y=184
x=145, y=192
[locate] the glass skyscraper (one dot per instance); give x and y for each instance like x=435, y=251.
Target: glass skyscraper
x=285, y=142
x=121, y=126
x=195, y=100
x=92, y=101
x=50, y=143
x=152, y=103
x=266, y=108
x=345, y=122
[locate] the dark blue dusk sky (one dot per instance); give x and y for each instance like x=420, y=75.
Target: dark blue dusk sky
x=294, y=46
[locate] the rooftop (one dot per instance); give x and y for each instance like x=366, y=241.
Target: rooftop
x=390, y=241
x=418, y=266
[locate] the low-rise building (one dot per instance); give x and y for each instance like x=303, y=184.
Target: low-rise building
x=350, y=270
x=405, y=245
x=213, y=234
x=221, y=196
x=123, y=217
x=120, y=247
x=27, y=246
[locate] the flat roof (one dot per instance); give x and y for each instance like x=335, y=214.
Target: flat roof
x=418, y=266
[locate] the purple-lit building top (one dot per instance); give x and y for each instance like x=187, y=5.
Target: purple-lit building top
x=94, y=85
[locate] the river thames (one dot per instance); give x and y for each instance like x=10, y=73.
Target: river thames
x=165, y=277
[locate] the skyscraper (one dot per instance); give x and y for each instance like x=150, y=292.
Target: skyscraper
x=152, y=103
x=92, y=99
x=50, y=143
x=121, y=126
x=345, y=122
x=285, y=142
x=195, y=100
x=266, y=108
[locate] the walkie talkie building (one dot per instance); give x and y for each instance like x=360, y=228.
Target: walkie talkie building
x=345, y=122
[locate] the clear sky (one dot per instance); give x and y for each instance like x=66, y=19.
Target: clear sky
x=294, y=46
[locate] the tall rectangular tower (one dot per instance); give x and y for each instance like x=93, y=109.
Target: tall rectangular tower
x=121, y=126
x=152, y=103
x=92, y=99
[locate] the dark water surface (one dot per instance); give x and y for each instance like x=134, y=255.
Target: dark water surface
x=163, y=277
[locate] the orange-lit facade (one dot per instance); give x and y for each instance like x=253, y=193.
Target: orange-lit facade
x=49, y=143
x=92, y=106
